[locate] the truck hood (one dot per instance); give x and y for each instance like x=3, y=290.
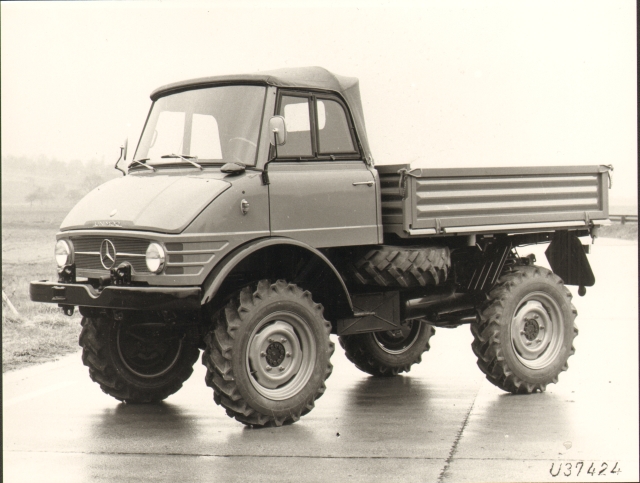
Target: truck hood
x=164, y=203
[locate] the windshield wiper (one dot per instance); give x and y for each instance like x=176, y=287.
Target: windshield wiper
x=188, y=159
x=141, y=163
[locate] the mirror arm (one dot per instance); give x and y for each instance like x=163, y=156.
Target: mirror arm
x=120, y=159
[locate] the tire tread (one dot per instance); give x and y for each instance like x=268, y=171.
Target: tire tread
x=95, y=355
x=491, y=320
x=219, y=345
x=388, y=266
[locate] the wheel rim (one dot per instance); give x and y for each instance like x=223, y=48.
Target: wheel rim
x=398, y=341
x=281, y=355
x=536, y=330
x=145, y=352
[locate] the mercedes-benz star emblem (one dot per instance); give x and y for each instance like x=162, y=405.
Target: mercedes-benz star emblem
x=107, y=254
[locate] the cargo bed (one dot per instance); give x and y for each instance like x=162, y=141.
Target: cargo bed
x=464, y=201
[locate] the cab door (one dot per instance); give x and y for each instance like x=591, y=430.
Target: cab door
x=321, y=192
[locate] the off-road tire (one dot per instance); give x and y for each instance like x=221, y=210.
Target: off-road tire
x=147, y=372
x=253, y=332
x=524, y=334
x=389, y=266
x=382, y=355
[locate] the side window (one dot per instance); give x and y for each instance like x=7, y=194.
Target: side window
x=295, y=111
x=205, y=138
x=334, y=136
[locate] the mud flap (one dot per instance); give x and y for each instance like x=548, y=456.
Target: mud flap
x=568, y=260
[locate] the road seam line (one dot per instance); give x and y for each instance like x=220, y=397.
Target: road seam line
x=454, y=447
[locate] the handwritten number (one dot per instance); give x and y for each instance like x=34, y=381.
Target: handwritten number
x=579, y=466
x=568, y=469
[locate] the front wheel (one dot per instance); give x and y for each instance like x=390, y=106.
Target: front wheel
x=524, y=334
x=137, y=360
x=390, y=352
x=268, y=356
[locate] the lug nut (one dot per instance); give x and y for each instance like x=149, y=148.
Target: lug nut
x=288, y=354
x=268, y=368
x=271, y=341
x=283, y=340
x=263, y=354
x=281, y=369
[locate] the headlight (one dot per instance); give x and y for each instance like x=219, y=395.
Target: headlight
x=64, y=253
x=155, y=258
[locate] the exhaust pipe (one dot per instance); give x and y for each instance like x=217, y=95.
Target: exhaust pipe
x=445, y=308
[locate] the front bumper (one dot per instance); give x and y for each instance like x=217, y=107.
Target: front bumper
x=116, y=296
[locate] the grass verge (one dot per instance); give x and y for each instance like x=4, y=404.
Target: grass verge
x=41, y=333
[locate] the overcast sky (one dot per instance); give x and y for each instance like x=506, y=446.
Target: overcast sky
x=444, y=83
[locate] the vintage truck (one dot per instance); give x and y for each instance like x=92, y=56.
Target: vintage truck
x=252, y=224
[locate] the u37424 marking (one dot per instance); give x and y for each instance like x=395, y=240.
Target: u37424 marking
x=586, y=468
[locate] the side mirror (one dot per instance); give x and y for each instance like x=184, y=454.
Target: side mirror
x=277, y=131
x=123, y=155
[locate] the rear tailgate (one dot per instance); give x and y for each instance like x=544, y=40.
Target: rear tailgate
x=476, y=200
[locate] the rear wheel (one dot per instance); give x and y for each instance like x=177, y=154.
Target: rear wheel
x=391, y=352
x=268, y=356
x=136, y=361
x=524, y=334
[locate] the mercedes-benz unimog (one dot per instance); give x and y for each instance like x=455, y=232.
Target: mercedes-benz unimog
x=251, y=224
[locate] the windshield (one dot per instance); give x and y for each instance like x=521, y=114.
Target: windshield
x=212, y=125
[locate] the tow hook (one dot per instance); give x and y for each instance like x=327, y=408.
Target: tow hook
x=121, y=275
x=67, y=309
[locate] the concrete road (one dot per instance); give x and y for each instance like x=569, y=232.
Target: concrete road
x=441, y=422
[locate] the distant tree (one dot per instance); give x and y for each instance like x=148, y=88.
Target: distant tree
x=55, y=191
x=92, y=180
x=38, y=194
x=74, y=195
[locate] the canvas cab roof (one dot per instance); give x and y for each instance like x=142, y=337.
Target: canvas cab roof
x=313, y=78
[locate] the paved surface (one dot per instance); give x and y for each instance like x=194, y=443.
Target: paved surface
x=442, y=422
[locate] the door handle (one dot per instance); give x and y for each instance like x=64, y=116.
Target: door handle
x=358, y=183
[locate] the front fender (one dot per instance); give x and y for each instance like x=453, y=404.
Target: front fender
x=220, y=272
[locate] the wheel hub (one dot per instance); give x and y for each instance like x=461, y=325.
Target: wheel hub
x=280, y=355
x=275, y=354
x=536, y=330
x=400, y=340
x=531, y=329
x=147, y=353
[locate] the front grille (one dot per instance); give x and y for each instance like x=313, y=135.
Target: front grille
x=132, y=250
